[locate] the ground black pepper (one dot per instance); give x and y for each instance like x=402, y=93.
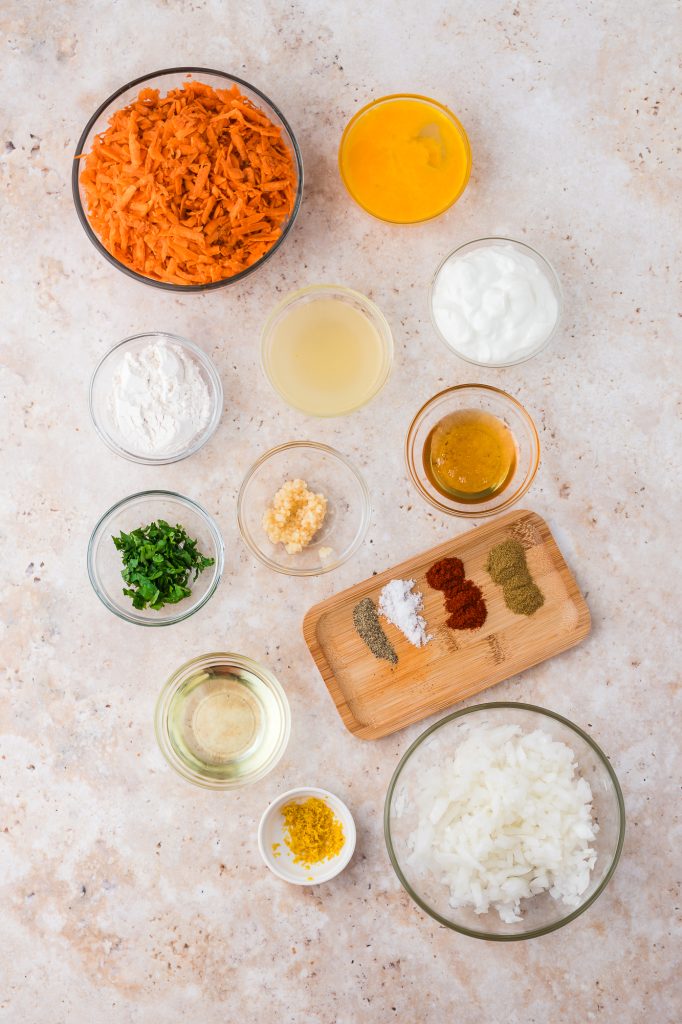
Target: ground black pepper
x=366, y=622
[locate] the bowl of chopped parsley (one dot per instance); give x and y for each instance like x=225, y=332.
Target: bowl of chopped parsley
x=155, y=558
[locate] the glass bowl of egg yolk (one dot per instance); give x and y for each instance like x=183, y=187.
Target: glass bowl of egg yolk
x=405, y=158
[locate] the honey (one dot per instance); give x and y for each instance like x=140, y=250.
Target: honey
x=470, y=455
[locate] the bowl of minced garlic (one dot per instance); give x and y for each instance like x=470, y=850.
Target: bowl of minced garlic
x=303, y=508
x=306, y=836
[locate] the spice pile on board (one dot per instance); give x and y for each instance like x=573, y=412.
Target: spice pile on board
x=463, y=599
x=507, y=566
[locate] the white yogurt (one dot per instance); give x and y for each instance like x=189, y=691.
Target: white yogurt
x=494, y=304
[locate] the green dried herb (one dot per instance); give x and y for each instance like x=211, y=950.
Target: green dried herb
x=366, y=622
x=157, y=564
x=507, y=566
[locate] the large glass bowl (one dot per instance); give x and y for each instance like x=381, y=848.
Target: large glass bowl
x=325, y=471
x=488, y=399
x=102, y=387
x=542, y=913
x=271, y=732
x=105, y=564
x=164, y=81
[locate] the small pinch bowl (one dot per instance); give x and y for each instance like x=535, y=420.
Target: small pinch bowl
x=488, y=399
x=102, y=383
x=281, y=860
x=165, y=80
x=325, y=471
x=105, y=563
x=542, y=913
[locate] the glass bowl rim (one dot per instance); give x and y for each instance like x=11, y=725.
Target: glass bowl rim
x=167, y=285
x=534, y=932
x=218, y=568
x=473, y=513
x=360, y=534
x=552, y=276
x=424, y=99
x=217, y=402
x=175, y=680
x=372, y=310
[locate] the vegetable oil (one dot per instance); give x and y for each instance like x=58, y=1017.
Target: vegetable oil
x=224, y=723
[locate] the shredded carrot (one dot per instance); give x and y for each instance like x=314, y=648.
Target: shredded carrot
x=189, y=188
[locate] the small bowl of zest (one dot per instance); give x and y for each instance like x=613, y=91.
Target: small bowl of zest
x=405, y=158
x=502, y=450
x=277, y=854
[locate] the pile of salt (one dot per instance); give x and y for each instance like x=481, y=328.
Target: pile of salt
x=401, y=606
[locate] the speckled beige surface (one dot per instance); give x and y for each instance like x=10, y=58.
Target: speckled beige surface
x=129, y=896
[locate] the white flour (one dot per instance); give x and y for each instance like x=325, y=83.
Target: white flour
x=160, y=401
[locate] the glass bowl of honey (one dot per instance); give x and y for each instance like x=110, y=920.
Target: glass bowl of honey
x=472, y=450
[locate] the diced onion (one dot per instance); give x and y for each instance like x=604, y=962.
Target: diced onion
x=508, y=817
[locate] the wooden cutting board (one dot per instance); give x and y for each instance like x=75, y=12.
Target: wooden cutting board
x=375, y=698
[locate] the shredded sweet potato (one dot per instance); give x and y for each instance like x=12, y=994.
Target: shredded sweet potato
x=189, y=188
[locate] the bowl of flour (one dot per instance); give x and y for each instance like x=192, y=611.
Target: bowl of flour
x=155, y=398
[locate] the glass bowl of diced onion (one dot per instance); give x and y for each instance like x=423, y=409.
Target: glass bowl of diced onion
x=440, y=882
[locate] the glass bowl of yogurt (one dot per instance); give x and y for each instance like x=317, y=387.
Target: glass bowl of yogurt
x=155, y=398
x=495, y=302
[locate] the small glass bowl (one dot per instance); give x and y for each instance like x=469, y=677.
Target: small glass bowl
x=428, y=102
x=164, y=81
x=101, y=388
x=105, y=564
x=274, y=730
x=488, y=399
x=325, y=471
x=314, y=293
x=542, y=913
x=545, y=268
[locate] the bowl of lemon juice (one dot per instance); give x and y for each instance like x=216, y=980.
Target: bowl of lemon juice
x=327, y=350
x=222, y=721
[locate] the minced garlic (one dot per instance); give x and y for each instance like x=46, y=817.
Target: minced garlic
x=312, y=831
x=295, y=516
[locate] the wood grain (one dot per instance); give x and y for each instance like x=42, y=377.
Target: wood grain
x=375, y=699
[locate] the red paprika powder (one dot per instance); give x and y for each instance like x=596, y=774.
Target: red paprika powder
x=463, y=599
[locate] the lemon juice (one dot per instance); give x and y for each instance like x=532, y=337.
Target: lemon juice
x=325, y=354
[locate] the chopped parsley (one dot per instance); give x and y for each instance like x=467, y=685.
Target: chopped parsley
x=157, y=564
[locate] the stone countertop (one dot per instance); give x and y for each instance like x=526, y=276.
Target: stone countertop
x=130, y=896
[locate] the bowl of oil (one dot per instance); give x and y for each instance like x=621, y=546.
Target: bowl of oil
x=222, y=721
x=472, y=450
